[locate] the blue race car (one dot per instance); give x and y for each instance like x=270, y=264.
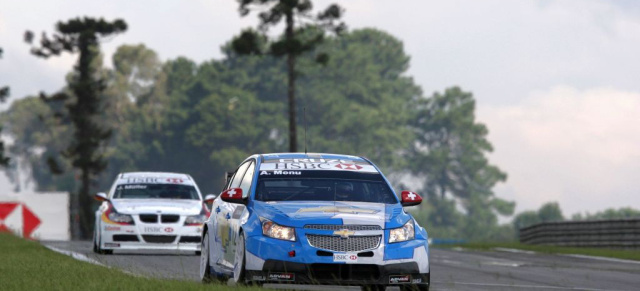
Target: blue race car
x=314, y=219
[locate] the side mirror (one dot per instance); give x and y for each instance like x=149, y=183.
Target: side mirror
x=101, y=197
x=233, y=195
x=209, y=198
x=410, y=198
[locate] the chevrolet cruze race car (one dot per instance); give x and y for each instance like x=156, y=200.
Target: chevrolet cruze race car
x=314, y=219
x=150, y=211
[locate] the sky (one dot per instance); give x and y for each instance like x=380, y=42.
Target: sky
x=556, y=82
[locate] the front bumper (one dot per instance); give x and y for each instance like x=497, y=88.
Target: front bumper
x=132, y=237
x=342, y=274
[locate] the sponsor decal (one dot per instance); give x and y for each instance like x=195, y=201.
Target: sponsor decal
x=415, y=281
x=258, y=278
x=352, y=167
x=130, y=231
x=152, y=229
x=112, y=228
x=174, y=180
x=168, y=229
x=112, y=245
x=288, y=166
x=338, y=209
x=399, y=279
x=282, y=276
x=348, y=258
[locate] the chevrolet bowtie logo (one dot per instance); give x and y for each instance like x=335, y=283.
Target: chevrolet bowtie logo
x=344, y=233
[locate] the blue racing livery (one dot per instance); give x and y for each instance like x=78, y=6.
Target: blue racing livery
x=314, y=219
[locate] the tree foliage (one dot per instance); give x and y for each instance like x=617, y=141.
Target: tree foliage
x=202, y=119
x=548, y=212
x=611, y=213
x=83, y=102
x=303, y=32
x=449, y=154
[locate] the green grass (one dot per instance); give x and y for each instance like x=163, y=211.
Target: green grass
x=609, y=253
x=27, y=265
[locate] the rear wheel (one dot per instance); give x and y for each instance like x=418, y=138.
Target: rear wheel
x=239, y=262
x=205, y=267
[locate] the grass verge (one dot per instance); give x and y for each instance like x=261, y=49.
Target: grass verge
x=27, y=265
x=609, y=253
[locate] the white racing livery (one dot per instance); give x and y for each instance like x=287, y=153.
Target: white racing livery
x=150, y=211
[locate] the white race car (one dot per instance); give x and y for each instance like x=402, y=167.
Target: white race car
x=150, y=211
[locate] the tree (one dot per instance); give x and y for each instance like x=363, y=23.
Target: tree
x=610, y=213
x=296, y=40
x=83, y=102
x=548, y=212
x=4, y=94
x=450, y=154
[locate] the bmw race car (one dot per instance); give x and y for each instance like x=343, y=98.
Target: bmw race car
x=150, y=211
x=314, y=219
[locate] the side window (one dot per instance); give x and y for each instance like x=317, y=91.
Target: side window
x=237, y=178
x=246, y=180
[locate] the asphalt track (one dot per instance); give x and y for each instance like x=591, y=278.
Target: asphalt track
x=450, y=269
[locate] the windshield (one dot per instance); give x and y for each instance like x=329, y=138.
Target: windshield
x=156, y=191
x=316, y=188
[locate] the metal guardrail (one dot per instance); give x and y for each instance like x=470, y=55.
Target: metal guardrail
x=619, y=233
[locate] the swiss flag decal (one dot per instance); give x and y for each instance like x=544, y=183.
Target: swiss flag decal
x=410, y=198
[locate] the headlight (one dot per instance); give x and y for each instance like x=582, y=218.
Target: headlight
x=271, y=229
x=403, y=233
x=119, y=218
x=195, y=219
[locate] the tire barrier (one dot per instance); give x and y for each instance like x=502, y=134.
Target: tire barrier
x=619, y=233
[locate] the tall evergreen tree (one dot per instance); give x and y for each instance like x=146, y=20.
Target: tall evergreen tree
x=83, y=102
x=4, y=94
x=297, y=40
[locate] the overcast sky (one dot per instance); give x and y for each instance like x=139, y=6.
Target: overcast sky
x=557, y=82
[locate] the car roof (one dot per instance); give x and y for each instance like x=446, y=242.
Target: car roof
x=278, y=156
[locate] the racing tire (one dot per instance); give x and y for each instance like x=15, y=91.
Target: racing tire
x=205, y=266
x=239, y=261
x=96, y=246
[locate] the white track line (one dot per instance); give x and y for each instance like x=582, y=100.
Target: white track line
x=77, y=256
x=520, y=286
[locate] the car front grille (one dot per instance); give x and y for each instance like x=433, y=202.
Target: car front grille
x=352, y=227
x=149, y=218
x=161, y=239
x=344, y=272
x=125, y=237
x=190, y=239
x=170, y=218
x=349, y=244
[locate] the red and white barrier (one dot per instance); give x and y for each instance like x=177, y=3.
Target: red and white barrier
x=41, y=216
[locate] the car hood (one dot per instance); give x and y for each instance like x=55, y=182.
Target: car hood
x=168, y=206
x=300, y=213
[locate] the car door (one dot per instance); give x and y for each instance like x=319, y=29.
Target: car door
x=224, y=234
x=235, y=222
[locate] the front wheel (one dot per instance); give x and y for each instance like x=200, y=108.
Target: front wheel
x=205, y=267
x=239, y=262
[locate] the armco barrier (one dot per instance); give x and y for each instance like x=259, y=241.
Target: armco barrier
x=35, y=215
x=619, y=233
